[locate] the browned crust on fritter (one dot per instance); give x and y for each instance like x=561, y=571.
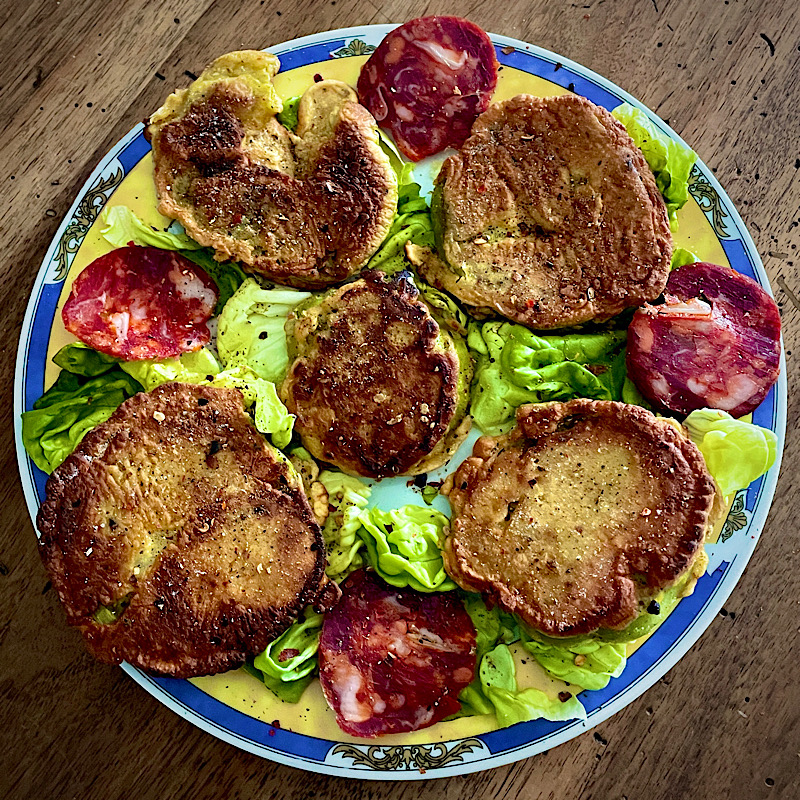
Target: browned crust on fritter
x=372, y=390
x=178, y=503
x=579, y=512
x=550, y=215
x=308, y=217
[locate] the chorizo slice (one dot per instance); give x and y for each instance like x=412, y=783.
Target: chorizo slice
x=141, y=302
x=428, y=81
x=713, y=343
x=394, y=660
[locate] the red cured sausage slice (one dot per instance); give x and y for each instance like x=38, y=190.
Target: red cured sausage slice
x=394, y=660
x=714, y=343
x=141, y=302
x=427, y=82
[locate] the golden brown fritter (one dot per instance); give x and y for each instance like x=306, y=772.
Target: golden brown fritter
x=306, y=210
x=549, y=215
x=379, y=389
x=579, y=512
x=177, y=538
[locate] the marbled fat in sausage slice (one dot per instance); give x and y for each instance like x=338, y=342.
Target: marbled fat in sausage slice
x=714, y=342
x=394, y=660
x=141, y=302
x=427, y=82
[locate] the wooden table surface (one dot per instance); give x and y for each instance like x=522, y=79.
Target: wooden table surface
x=76, y=75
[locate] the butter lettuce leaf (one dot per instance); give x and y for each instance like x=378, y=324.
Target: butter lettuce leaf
x=681, y=257
x=288, y=663
x=670, y=161
x=120, y=227
x=251, y=329
x=412, y=223
x=197, y=367
x=511, y=705
x=287, y=116
x=736, y=452
x=347, y=497
x=588, y=663
x=404, y=546
x=515, y=366
x=80, y=399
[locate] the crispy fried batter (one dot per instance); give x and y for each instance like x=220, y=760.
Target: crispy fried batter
x=549, y=215
x=579, y=512
x=178, y=514
x=306, y=210
x=378, y=388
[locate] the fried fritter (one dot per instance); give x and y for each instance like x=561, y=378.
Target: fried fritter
x=378, y=387
x=577, y=515
x=549, y=215
x=177, y=538
x=305, y=209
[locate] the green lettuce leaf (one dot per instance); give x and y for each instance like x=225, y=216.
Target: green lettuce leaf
x=121, y=226
x=736, y=452
x=670, y=161
x=288, y=115
x=404, y=546
x=347, y=496
x=67, y=411
x=587, y=663
x=197, y=367
x=681, y=257
x=288, y=663
x=81, y=359
x=412, y=222
x=515, y=366
x=499, y=682
x=251, y=329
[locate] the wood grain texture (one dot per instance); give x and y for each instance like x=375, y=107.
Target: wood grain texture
x=76, y=75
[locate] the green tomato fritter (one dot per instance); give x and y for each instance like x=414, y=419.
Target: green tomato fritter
x=378, y=387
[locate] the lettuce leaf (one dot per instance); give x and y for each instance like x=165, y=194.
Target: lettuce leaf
x=499, y=682
x=587, y=663
x=288, y=115
x=347, y=496
x=196, y=367
x=251, y=329
x=80, y=399
x=412, y=222
x=736, y=452
x=404, y=546
x=288, y=663
x=515, y=366
x=681, y=257
x=81, y=359
x=121, y=226
x=670, y=161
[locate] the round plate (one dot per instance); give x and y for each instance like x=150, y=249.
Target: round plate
x=234, y=706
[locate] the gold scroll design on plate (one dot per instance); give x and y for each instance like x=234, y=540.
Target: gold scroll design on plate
x=355, y=47
x=709, y=201
x=86, y=213
x=407, y=757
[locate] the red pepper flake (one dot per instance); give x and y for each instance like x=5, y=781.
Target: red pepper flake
x=481, y=189
x=272, y=731
x=317, y=77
